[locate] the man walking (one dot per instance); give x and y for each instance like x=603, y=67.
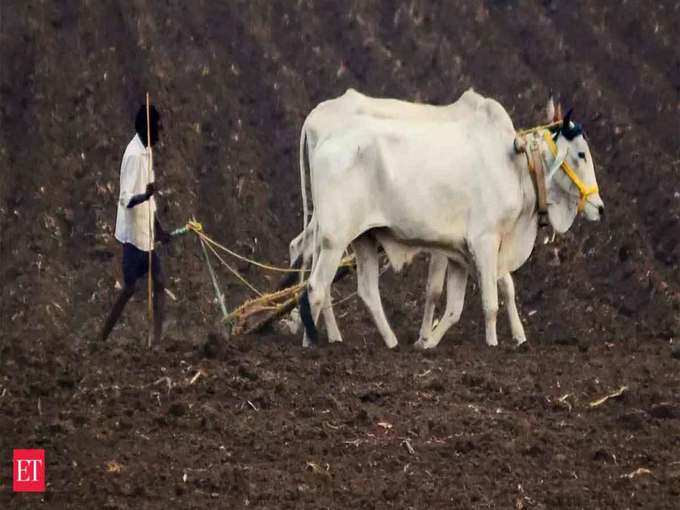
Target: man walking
x=135, y=203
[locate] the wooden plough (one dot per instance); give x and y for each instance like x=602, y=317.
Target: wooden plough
x=255, y=313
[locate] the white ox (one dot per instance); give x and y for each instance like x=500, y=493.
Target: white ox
x=338, y=115
x=455, y=187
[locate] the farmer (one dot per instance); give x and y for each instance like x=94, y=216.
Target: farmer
x=135, y=203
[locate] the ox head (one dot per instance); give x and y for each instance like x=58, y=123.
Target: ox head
x=571, y=183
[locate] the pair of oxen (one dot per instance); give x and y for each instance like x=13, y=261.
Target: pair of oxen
x=452, y=181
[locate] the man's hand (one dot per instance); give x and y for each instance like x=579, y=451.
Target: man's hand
x=163, y=237
x=142, y=197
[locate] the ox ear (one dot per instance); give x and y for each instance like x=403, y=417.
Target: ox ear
x=558, y=113
x=550, y=109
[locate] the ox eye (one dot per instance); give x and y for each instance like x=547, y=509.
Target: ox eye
x=582, y=155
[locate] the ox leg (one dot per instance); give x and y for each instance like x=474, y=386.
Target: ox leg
x=486, y=260
x=334, y=334
x=318, y=288
x=456, y=282
x=435, y=283
x=332, y=330
x=368, y=273
x=306, y=340
x=508, y=289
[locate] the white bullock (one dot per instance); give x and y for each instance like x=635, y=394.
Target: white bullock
x=337, y=115
x=456, y=187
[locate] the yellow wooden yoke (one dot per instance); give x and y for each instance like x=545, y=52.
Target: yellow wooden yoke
x=584, y=190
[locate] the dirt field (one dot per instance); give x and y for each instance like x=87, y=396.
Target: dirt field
x=258, y=421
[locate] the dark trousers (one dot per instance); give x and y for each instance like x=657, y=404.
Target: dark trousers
x=136, y=266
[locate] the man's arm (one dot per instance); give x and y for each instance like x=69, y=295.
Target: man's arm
x=142, y=197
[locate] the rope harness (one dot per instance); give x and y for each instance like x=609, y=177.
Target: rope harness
x=536, y=167
x=277, y=303
x=584, y=191
x=536, y=163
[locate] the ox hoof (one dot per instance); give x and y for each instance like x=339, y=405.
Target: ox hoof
x=335, y=340
x=420, y=344
x=423, y=345
x=392, y=344
x=520, y=341
x=523, y=347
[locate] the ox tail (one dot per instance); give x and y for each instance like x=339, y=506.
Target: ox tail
x=304, y=156
x=306, y=317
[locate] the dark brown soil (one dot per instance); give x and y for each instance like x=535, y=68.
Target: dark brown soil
x=267, y=424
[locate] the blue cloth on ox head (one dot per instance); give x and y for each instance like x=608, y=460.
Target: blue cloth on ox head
x=568, y=128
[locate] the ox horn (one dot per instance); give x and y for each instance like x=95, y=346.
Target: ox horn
x=567, y=120
x=558, y=113
x=550, y=108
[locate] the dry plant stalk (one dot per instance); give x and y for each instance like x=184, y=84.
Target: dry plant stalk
x=617, y=393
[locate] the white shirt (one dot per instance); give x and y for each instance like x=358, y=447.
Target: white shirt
x=132, y=225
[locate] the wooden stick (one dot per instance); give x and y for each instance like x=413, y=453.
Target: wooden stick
x=149, y=279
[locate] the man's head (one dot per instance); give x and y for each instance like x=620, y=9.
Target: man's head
x=155, y=121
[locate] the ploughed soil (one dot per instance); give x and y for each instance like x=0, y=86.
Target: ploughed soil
x=258, y=421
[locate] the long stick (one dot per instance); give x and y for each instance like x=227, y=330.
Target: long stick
x=149, y=279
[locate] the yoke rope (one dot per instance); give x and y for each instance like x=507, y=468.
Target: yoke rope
x=208, y=239
x=262, y=300
x=233, y=270
x=526, y=131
